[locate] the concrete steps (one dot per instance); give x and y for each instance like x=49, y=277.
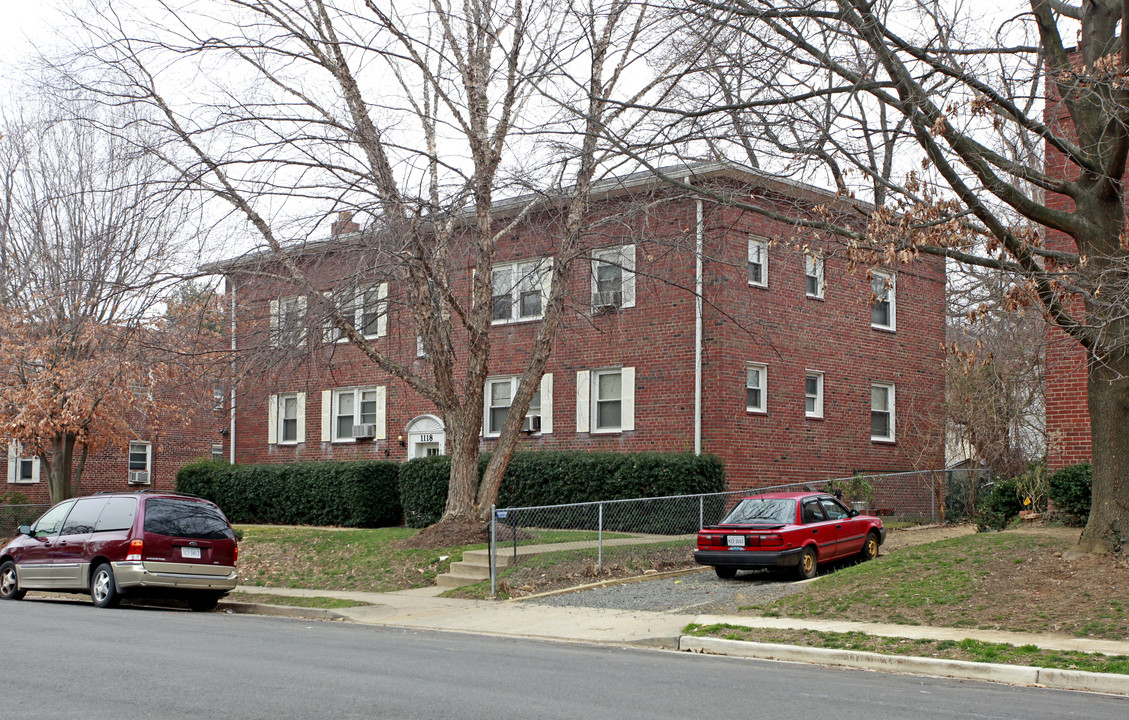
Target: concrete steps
x=473, y=568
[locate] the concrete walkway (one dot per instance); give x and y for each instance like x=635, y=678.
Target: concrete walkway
x=422, y=609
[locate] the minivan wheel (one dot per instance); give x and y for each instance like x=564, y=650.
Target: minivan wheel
x=9, y=585
x=103, y=589
x=203, y=603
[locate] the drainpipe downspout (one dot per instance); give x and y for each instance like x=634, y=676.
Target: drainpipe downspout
x=231, y=429
x=698, y=306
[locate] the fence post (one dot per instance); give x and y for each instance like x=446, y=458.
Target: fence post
x=933, y=494
x=600, y=541
x=701, y=511
x=493, y=550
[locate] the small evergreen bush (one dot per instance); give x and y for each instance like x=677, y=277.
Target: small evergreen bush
x=1070, y=490
x=1000, y=506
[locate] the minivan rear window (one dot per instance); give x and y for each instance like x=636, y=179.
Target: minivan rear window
x=185, y=519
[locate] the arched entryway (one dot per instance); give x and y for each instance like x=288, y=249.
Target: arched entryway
x=426, y=437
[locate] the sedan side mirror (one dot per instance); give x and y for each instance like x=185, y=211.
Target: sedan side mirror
x=24, y=530
x=853, y=513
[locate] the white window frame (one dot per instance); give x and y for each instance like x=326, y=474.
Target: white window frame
x=890, y=411
x=16, y=461
x=813, y=270
x=587, y=401
x=758, y=254
x=525, y=276
x=281, y=334
x=358, y=395
x=276, y=420
x=217, y=453
x=282, y=418
x=623, y=258
x=816, y=399
x=883, y=285
x=356, y=302
x=542, y=409
x=762, y=387
x=148, y=456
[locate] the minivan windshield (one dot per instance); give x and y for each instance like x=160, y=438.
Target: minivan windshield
x=762, y=511
x=185, y=519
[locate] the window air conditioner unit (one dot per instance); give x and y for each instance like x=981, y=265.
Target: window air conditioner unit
x=138, y=477
x=531, y=424
x=366, y=431
x=607, y=300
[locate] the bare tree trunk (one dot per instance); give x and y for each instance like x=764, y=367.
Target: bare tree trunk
x=59, y=467
x=1108, y=397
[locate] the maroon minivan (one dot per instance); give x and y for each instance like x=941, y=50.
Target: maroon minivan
x=125, y=544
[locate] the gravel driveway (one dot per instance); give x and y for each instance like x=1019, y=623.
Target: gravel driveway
x=702, y=592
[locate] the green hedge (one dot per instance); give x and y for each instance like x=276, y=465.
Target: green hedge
x=1070, y=489
x=346, y=494
x=562, y=477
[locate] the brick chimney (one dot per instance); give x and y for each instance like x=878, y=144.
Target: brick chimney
x=344, y=224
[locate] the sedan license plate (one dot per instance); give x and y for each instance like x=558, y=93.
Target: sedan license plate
x=735, y=540
x=190, y=553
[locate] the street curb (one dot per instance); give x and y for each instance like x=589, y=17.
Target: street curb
x=290, y=611
x=1109, y=683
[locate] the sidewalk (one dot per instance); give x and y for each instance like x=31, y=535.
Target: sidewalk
x=422, y=609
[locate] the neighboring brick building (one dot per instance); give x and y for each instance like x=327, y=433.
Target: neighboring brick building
x=801, y=378
x=194, y=429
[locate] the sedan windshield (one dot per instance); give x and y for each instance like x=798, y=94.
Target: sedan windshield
x=762, y=511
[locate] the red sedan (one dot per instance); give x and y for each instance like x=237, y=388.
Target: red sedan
x=799, y=530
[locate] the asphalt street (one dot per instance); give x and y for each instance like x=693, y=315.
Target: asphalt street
x=70, y=660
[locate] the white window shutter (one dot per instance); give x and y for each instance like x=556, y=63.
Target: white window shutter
x=330, y=328
x=274, y=322
x=583, y=400
x=300, y=435
x=382, y=318
x=627, y=259
x=272, y=420
x=35, y=469
x=13, y=460
x=301, y=318
x=546, y=284
x=627, y=399
x=326, y=415
x=381, y=414
x=546, y=403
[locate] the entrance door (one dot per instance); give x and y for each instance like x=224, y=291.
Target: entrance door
x=426, y=437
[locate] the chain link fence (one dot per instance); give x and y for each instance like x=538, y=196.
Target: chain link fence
x=593, y=527
x=12, y=516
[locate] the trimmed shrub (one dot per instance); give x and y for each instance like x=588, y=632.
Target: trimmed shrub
x=1000, y=506
x=346, y=494
x=561, y=477
x=1070, y=490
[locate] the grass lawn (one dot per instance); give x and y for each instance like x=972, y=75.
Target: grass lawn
x=970, y=650
x=1018, y=581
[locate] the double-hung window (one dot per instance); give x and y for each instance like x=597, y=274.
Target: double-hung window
x=605, y=400
x=813, y=394
x=756, y=388
x=813, y=275
x=289, y=419
x=613, y=278
x=520, y=290
x=883, y=313
x=288, y=321
x=355, y=413
x=882, y=412
x=140, y=462
x=758, y=262
x=21, y=468
x=500, y=393
x=366, y=308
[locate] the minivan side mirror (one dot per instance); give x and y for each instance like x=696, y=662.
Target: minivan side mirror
x=24, y=530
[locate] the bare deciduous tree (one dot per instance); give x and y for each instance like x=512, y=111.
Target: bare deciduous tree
x=1010, y=149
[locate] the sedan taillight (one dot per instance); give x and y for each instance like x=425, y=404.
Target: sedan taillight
x=773, y=539
x=134, y=553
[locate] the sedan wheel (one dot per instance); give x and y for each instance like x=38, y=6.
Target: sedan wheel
x=103, y=589
x=725, y=573
x=808, y=566
x=9, y=586
x=870, y=548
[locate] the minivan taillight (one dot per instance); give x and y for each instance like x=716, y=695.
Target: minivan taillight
x=235, y=557
x=134, y=550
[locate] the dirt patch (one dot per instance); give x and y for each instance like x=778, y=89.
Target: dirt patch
x=445, y=535
x=921, y=534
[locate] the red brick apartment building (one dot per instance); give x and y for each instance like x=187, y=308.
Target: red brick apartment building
x=784, y=368
x=191, y=430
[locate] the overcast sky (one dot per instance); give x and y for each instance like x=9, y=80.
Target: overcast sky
x=24, y=25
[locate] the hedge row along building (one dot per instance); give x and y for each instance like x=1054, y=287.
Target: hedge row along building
x=790, y=364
